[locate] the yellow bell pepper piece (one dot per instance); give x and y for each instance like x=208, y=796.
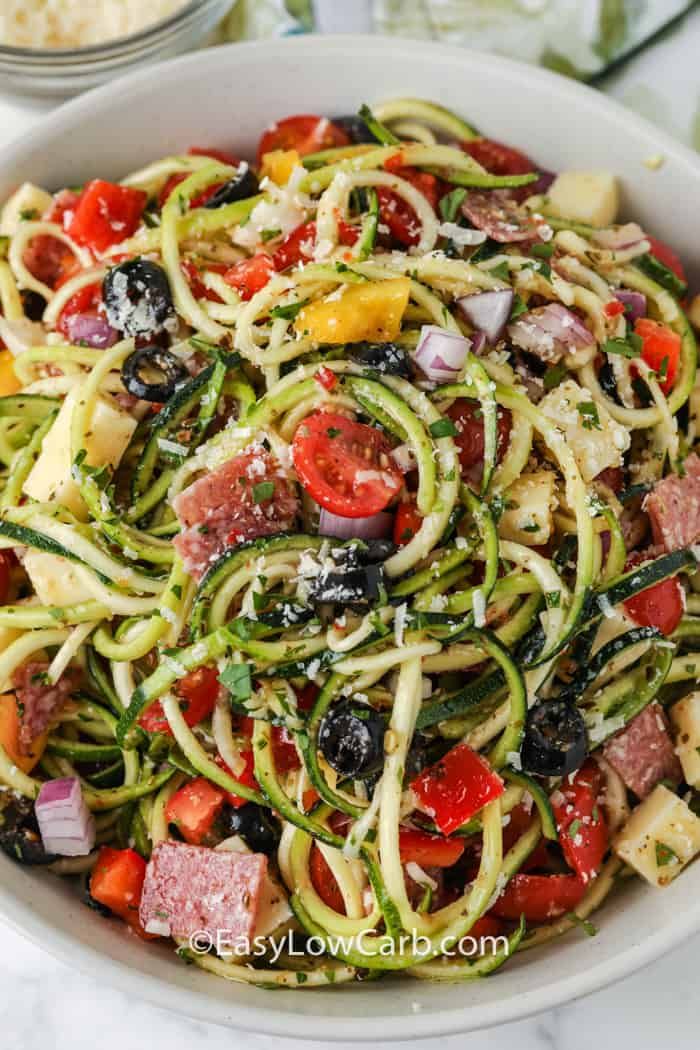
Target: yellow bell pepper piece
x=369, y=311
x=9, y=736
x=9, y=383
x=279, y=164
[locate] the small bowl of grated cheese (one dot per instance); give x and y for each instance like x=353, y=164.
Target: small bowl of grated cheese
x=63, y=47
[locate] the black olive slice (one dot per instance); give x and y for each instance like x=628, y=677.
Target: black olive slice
x=20, y=837
x=137, y=297
x=555, y=741
x=157, y=359
x=387, y=359
x=355, y=128
x=238, y=188
x=351, y=738
x=258, y=829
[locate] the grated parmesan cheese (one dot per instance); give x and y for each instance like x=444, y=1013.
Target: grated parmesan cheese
x=78, y=23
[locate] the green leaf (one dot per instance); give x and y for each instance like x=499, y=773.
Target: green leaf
x=450, y=203
x=542, y=251
x=289, y=311
x=619, y=346
x=443, y=428
x=236, y=678
x=501, y=271
x=665, y=855
x=588, y=411
x=519, y=307
x=263, y=490
x=554, y=375
x=269, y=235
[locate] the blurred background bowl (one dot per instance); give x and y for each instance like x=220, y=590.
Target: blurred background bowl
x=60, y=73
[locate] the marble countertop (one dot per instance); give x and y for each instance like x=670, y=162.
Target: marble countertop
x=44, y=1005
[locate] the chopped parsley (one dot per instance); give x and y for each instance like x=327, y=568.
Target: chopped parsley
x=333, y=432
x=665, y=855
x=588, y=412
x=630, y=347
x=554, y=376
x=519, y=307
x=543, y=251
x=289, y=311
x=450, y=203
x=236, y=678
x=263, y=490
x=269, y=235
x=553, y=599
x=443, y=428
x=501, y=271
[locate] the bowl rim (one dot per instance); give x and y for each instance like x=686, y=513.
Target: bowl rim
x=197, y=1004
x=131, y=41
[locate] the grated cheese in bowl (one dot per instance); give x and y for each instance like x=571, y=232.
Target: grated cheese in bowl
x=46, y=24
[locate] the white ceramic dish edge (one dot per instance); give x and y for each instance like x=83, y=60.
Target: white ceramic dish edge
x=47, y=913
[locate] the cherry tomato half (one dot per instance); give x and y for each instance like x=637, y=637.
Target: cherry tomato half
x=660, y=606
x=498, y=158
x=345, y=466
x=666, y=255
x=305, y=133
x=661, y=350
x=466, y=416
x=324, y=882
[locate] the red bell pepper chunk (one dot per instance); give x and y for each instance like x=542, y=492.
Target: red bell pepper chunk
x=326, y=377
x=197, y=286
x=194, y=808
x=117, y=882
x=298, y=246
x=247, y=777
x=250, y=275
x=614, y=308
x=407, y=522
x=429, y=850
x=198, y=692
x=106, y=214
x=539, y=897
x=456, y=787
x=583, y=832
x=661, y=350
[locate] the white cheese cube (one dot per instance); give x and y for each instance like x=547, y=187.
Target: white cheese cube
x=592, y=197
x=529, y=502
x=660, y=838
x=55, y=580
x=592, y=435
x=50, y=478
x=27, y=203
x=685, y=716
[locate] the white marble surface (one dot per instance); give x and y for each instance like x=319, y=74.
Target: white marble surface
x=46, y=1006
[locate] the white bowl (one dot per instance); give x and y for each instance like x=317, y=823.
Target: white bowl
x=225, y=97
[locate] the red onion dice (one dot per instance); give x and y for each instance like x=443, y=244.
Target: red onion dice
x=550, y=332
x=440, y=354
x=92, y=330
x=66, y=824
x=375, y=527
x=635, y=303
x=488, y=312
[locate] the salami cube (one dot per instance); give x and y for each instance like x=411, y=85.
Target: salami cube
x=643, y=753
x=674, y=507
x=247, y=497
x=192, y=889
